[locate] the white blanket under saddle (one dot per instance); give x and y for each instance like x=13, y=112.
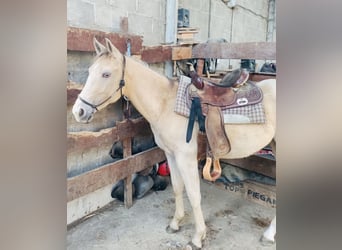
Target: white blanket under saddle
x=241, y=115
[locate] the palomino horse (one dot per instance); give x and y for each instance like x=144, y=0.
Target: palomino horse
x=113, y=75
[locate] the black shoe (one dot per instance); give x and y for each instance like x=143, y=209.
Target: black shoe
x=160, y=182
x=142, y=185
x=118, y=190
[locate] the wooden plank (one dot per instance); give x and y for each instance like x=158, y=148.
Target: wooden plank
x=82, y=40
x=257, y=77
x=255, y=50
x=255, y=163
x=253, y=191
x=179, y=53
x=85, y=140
x=200, y=66
x=181, y=29
x=128, y=194
x=156, y=54
x=73, y=90
x=261, y=193
x=110, y=173
x=185, y=36
x=128, y=191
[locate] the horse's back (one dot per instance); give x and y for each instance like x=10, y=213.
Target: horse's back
x=247, y=139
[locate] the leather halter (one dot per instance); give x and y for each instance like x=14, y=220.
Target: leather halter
x=121, y=85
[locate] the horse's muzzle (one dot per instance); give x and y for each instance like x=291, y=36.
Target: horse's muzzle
x=82, y=113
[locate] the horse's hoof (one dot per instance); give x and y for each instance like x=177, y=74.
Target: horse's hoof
x=171, y=230
x=266, y=242
x=192, y=246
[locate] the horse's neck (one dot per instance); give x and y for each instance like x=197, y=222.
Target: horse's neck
x=147, y=90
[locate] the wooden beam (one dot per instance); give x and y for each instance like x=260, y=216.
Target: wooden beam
x=200, y=66
x=255, y=163
x=180, y=53
x=257, y=77
x=111, y=173
x=85, y=140
x=82, y=40
x=156, y=54
x=73, y=90
x=128, y=190
x=256, y=50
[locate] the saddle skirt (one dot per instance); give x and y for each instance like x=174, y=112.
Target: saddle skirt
x=226, y=98
x=233, y=114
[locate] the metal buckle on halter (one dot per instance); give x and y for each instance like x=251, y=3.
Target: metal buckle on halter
x=122, y=83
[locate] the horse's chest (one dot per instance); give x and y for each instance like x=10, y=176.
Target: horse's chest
x=163, y=140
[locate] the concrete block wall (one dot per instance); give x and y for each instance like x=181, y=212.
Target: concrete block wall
x=246, y=22
x=145, y=18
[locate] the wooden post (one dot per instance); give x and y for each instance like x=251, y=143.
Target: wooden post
x=128, y=194
x=200, y=65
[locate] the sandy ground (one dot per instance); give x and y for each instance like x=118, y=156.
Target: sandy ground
x=232, y=223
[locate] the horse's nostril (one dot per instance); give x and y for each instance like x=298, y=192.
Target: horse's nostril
x=81, y=112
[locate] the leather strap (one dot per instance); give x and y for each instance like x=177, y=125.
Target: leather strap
x=216, y=134
x=121, y=85
x=195, y=112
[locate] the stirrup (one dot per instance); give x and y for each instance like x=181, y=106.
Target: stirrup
x=216, y=173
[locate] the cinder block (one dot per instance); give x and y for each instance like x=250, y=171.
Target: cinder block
x=260, y=7
x=150, y=28
x=200, y=20
x=78, y=64
x=151, y=9
x=103, y=15
x=80, y=14
x=139, y=24
x=220, y=28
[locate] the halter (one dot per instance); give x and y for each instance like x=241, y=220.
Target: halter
x=121, y=85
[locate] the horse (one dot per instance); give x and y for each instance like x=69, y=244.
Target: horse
x=113, y=75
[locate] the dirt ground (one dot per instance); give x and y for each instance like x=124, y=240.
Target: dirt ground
x=232, y=223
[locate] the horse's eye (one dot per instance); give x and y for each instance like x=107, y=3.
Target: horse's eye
x=106, y=75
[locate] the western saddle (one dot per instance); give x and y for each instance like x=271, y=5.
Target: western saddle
x=208, y=101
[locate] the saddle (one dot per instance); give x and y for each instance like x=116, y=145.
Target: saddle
x=208, y=101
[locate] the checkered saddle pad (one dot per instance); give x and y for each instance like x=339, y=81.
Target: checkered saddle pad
x=253, y=113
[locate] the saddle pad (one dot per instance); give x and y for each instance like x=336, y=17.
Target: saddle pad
x=240, y=115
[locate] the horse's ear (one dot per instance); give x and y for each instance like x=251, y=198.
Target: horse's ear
x=98, y=46
x=111, y=48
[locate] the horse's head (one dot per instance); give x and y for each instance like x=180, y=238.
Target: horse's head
x=104, y=83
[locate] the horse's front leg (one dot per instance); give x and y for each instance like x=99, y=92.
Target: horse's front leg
x=188, y=169
x=178, y=187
